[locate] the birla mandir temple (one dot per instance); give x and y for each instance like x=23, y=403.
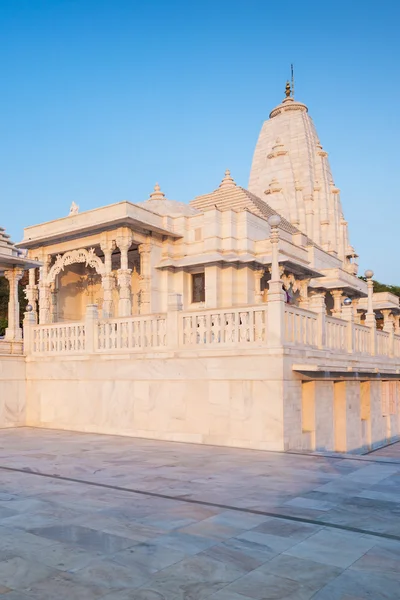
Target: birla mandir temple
x=235, y=319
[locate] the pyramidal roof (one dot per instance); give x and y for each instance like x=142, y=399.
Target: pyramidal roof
x=7, y=247
x=230, y=196
x=10, y=256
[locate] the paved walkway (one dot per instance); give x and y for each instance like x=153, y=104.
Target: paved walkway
x=85, y=516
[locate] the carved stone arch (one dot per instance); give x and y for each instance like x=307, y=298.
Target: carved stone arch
x=75, y=256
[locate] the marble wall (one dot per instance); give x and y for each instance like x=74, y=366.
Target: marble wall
x=211, y=400
x=12, y=391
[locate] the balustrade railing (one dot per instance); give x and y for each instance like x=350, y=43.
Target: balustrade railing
x=396, y=346
x=301, y=326
x=336, y=334
x=382, y=343
x=132, y=333
x=226, y=327
x=362, y=339
x=249, y=326
x=58, y=338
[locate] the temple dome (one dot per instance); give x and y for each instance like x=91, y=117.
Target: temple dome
x=291, y=172
x=159, y=204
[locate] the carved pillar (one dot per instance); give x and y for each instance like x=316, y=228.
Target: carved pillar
x=44, y=292
x=53, y=302
x=32, y=293
x=357, y=316
x=124, y=278
x=304, y=301
x=13, y=331
x=348, y=315
x=388, y=325
x=387, y=320
x=317, y=305
x=370, y=318
x=337, y=303
x=276, y=295
x=145, y=278
x=107, y=279
x=397, y=324
x=258, y=294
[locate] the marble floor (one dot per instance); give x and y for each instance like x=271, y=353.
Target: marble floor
x=86, y=516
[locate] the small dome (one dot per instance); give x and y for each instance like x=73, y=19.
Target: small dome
x=159, y=204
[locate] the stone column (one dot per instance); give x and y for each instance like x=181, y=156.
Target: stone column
x=13, y=331
x=107, y=279
x=53, y=302
x=370, y=319
x=124, y=278
x=388, y=325
x=44, y=292
x=397, y=324
x=317, y=305
x=337, y=303
x=348, y=315
x=304, y=301
x=145, y=278
x=276, y=295
x=29, y=322
x=258, y=294
x=31, y=293
x=387, y=320
x=357, y=316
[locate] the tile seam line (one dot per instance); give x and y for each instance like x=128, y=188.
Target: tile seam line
x=182, y=499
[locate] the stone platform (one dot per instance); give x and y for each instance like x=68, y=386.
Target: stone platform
x=86, y=516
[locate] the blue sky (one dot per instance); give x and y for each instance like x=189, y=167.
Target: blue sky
x=102, y=98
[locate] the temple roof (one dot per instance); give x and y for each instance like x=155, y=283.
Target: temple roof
x=10, y=256
x=230, y=196
x=159, y=204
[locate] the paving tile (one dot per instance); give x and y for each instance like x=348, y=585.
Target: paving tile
x=194, y=578
x=360, y=585
x=110, y=575
x=266, y=586
x=287, y=529
x=274, y=542
x=184, y=542
x=312, y=574
x=18, y=573
x=84, y=537
x=63, y=587
x=333, y=547
x=150, y=556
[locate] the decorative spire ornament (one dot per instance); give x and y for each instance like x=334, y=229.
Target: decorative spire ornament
x=157, y=194
x=227, y=180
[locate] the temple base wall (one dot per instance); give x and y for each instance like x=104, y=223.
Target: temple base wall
x=233, y=400
x=12, y=391
x=248, y=400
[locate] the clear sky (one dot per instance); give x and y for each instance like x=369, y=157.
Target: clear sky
x=102, y=98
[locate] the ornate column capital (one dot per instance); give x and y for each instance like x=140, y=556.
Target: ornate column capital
x=13, y=275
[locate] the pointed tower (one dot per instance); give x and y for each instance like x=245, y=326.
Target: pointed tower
x=291, y=173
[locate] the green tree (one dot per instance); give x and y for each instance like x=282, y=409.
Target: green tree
x=383, y=287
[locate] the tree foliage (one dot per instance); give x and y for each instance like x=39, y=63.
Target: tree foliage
x=383, y=287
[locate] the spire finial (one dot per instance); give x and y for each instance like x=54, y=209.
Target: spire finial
x=227, y=180
x=157, y=194
x=288, y=90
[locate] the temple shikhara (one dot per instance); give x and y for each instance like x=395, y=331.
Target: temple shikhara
x=236, y=319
